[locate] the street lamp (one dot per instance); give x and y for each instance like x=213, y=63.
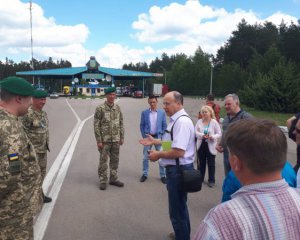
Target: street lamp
x=211, y=75
x=165, y=73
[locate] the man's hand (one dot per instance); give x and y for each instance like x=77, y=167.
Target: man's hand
x=149, y=141
x=121, y=142
x=100, y=146
x=219, y=148
x=153, y=155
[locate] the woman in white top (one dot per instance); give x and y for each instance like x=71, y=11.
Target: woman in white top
x=208, y=132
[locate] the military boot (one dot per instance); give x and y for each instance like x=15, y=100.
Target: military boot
x=102, y=186
x=117, y=183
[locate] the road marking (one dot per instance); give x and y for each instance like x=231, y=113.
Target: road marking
x=57, y=175
x=60, y=157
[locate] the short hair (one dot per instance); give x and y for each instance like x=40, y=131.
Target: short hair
x=152, y=97
x=178, y=97
x=234, y=96
x=259, y=143
x=210, y=110
x=210, y=97
x=6, y=96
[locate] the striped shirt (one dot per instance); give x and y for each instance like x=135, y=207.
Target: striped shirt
x=257, y=211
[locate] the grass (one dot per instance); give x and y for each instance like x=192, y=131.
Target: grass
x=279, y=118
x=85, y=97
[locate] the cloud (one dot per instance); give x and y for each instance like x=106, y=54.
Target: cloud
x=49, y=38
x=174, y=28
x=115, y=55
x=192, y=25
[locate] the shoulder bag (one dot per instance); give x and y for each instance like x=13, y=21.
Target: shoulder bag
x=191, y=180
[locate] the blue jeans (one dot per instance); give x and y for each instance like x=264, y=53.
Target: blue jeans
x=146, y=161
x=227, y=166
x=178, y=211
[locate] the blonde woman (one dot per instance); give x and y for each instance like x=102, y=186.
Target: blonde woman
x=208, y=132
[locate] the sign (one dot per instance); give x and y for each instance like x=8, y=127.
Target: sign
x=158, y=75
x=92, y=76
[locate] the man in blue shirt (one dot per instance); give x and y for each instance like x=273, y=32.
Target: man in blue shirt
x=231, y=184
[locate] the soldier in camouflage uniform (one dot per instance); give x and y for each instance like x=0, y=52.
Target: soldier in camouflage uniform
x=37, y=128
x=109, y=133
x=20, y=175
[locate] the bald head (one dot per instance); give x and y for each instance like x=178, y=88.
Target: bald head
x=173, y=102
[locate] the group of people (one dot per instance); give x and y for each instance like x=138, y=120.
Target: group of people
x=259, y=181
x=24, y=141
x=262, y=205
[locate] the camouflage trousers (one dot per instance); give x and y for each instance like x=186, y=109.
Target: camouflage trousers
x=109, y=152
x=19, y=231
x=42, y=160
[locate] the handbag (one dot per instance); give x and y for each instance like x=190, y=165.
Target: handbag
x=190, y=180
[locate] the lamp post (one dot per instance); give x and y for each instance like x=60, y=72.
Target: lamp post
x=165, y=73
x=211, y=75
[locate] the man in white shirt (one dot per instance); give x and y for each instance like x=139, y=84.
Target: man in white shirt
x=182, y=148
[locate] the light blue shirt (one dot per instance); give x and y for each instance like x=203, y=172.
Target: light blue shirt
x=153, y=120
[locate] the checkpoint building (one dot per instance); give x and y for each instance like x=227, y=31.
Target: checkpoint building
x=90, y=80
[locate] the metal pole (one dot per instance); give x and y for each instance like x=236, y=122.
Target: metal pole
x=31, y=40
x=211, y=77
x=143, y=87
x=165, y=73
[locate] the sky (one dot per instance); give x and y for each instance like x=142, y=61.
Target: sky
x=125, y=31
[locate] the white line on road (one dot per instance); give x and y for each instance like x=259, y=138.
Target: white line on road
x=60, y=157
x=57, y=175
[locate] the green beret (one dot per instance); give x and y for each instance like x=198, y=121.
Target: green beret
x=39, y=94
x=109, y=90
x=17, y=86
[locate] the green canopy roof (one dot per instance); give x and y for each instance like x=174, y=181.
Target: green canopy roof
x=78, y=70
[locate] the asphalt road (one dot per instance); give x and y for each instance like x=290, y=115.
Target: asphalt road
x=139, y=210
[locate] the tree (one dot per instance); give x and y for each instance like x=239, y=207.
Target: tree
x=273, y=83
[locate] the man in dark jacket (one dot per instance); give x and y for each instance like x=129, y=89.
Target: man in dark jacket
x=234, y=113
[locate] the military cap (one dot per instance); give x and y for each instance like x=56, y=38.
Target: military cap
x=109, y=90
x=39, y=93
x=17, y=86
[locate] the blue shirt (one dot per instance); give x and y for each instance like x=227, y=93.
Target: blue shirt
x=231, y=184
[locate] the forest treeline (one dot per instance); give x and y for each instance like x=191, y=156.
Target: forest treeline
x=9, y=67
x=260, y=62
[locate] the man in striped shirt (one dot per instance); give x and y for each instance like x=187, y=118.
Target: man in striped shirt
x=265, y=207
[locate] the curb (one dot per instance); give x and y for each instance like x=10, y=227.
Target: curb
x=283, y=128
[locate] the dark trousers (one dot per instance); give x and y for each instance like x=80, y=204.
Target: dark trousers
x=205, y=156
x=178, y=210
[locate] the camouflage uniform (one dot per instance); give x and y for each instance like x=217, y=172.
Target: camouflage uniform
x=109, y=130
x=20, y=180
x=37, y=128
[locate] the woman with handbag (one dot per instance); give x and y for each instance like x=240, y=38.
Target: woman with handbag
x=208, y=132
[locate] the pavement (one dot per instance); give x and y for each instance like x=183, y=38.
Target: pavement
x=79, y=210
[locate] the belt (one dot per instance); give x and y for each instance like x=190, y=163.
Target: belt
x=171, y=166
x=153, y=135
